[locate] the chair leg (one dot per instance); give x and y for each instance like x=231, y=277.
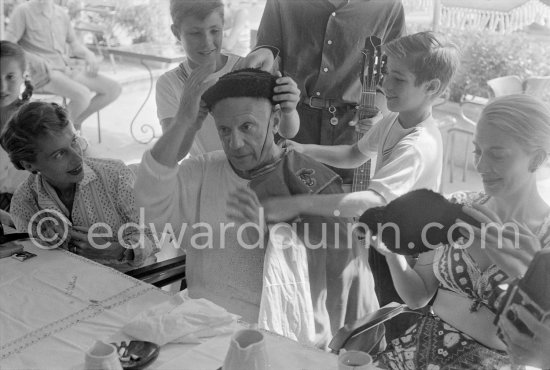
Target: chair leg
x=466, y=156
x=451, y=160
x=98, y=127
x=113, y=62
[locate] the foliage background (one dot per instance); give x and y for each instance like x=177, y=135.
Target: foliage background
x=487, y=55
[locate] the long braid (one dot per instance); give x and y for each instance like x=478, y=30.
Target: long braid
x=27, y=93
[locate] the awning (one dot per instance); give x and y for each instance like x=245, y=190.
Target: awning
x=493, y=15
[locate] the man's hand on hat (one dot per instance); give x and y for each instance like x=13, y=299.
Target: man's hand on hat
x=286, y=93
x=192, y=109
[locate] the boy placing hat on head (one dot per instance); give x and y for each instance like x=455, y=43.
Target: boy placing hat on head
x=198, y=26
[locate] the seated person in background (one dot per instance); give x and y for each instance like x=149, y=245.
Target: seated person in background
x=44, y=29
x=407, y=144
x=90, y=195
x=198, y=25
x=12, y=70
x=191, y=198
x=511, y=142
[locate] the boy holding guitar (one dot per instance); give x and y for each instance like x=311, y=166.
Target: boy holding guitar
x=407, y=142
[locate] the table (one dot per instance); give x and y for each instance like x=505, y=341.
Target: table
x=164, y=53
x=54, y=306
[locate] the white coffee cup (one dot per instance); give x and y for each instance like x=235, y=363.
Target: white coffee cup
x=355, y=360
x=246, y=351
x=102, y=356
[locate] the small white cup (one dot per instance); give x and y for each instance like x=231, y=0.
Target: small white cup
x=355, y=360
x=102, y=356
x=246, y=351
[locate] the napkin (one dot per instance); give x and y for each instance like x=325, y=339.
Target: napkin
x=181, y=320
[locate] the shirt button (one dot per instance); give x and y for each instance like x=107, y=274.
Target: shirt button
x=325, y=69
x=334, y=14
x=329, y=42
x=318, y=93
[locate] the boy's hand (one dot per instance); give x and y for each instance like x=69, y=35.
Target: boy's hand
x=293, y=145
x=364, y=125
x=261, y=58
x=287, y=93
x=192, y=109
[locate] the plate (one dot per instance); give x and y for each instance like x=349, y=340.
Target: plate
x=137, y=354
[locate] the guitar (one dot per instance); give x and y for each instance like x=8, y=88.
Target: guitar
x=371, y=69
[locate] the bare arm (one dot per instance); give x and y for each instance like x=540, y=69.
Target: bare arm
x=188, y=120
x=340, y=156
x=416, y=286
x=344, y=205
x=287, y=95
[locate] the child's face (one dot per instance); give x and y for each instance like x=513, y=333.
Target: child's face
x=201, y=39
x=399, y=86
x=12, y=79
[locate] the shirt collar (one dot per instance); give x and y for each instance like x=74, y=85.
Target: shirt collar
x=47, y=197
x=89, y=174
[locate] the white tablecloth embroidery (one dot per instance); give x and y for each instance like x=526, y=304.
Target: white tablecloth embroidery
x=56, y=290
x=54, y=306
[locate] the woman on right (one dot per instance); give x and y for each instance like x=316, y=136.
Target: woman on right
x=512, y=141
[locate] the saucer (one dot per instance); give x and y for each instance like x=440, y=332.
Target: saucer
x=136, y=354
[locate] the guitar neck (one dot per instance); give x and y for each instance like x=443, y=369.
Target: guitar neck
x=367, y=109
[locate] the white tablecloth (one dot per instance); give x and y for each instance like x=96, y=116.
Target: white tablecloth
x=54, y=306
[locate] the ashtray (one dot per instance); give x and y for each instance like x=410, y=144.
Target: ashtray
x=136, y=354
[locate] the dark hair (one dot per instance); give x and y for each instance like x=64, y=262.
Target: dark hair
x=429, y=55
x=10, y=50
x=248, y=82
x=28, y=124
x=199, y=9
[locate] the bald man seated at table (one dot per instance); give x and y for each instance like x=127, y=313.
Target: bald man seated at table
x=219, y=267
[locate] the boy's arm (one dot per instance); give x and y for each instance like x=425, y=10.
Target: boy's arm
x=290, y=124
x=189, y=119
x=280, y=209
x=340, y=156
x=287, y=95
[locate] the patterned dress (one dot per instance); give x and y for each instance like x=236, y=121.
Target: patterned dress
x=433, y=344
